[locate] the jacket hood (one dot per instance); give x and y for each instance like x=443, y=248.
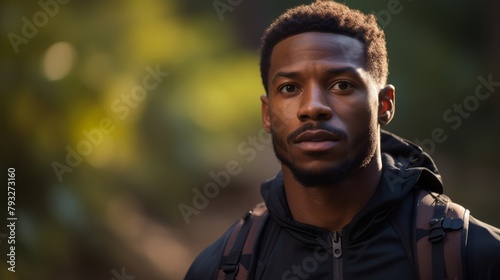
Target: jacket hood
x=405, y=167
x=411, y=158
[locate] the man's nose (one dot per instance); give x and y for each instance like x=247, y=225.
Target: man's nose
x=314, y=105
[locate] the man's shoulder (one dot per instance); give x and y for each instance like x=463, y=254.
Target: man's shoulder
x=206, y=264
x=483, y=250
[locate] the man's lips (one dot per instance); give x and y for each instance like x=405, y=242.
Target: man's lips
x=316, y=136
x=317, y=140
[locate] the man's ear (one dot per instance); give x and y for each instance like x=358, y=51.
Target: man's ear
x=266, y=120
x=387, y=104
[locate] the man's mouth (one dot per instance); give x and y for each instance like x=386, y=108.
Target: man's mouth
x=317, y=140
x=316, y=136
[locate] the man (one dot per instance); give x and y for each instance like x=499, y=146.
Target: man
x=343, y=205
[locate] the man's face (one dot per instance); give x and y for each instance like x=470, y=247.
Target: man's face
x=322, y=107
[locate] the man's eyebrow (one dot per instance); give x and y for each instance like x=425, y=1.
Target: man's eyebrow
x=344, y=70
x=285, y=75
x=331, y=72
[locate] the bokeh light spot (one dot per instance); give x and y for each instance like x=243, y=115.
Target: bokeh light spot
x=58, y=60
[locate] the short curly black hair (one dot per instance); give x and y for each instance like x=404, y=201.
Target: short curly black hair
x=328, y=16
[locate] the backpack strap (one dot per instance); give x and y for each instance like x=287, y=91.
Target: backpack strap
x=241, y=241
x=440, y=255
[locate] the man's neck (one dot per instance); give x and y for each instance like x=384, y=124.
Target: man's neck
x=332, y=207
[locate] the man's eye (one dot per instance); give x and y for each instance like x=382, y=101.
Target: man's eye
x=342, y=86
x=288, y=89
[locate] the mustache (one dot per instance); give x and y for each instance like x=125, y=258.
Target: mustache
x=316, y=126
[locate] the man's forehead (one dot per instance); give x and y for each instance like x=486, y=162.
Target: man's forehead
x=319, y=45
x=330, y=48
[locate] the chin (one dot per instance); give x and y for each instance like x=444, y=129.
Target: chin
x=325, y=173
x=321, y=177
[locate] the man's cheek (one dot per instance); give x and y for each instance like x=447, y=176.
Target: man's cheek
x=277, y=125
x=282, y=117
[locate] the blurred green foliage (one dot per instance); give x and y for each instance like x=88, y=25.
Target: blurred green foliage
x=118, y=208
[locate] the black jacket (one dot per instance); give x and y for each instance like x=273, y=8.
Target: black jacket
x=377, y=244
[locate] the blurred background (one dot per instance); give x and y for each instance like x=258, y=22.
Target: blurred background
x=115, y=113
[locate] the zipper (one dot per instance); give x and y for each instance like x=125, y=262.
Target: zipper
x=337, y=255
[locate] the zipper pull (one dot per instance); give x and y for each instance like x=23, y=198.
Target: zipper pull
x=337, y=245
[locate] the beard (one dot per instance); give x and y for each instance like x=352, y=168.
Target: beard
x=310, y=178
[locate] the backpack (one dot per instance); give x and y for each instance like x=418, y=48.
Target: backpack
x=439, y=256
